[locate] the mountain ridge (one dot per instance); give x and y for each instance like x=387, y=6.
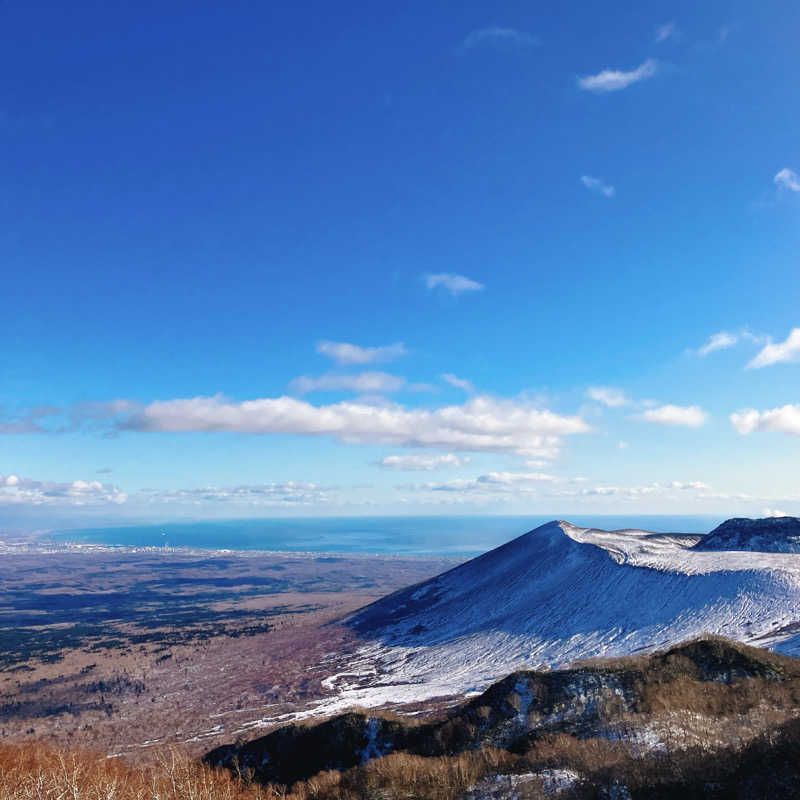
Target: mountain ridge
x=558, y=593
x=585, y=701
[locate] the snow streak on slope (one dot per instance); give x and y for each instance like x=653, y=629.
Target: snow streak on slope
x=561, y=592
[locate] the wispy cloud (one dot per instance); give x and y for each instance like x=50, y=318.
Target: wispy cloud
x=725, y=339
x=346, y=353
x=778, y=352
x=97, y=414
x=20, y=426
x=363, y=383
x=511, y=485
x=29, y=421
x=480, y=424
x=459, y=383
x=787, y=178
x=597, y=185
x=718, y=341
x=608, y=395
x=499, y=37
x=490, y=483
x=612, y=80
x=423, y=461
x=784, y=419
x=666, y=31
x=455, y=284
x=687, y=416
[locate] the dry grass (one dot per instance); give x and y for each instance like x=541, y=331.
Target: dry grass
x=684, y=737
x=767, y=766
x=401, y=775
x=34, y=772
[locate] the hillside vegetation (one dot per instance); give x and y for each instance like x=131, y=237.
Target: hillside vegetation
x=710, y=718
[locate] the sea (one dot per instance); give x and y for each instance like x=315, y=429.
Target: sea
x=458, y=536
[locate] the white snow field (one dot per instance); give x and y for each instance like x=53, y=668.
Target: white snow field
x=559, y=593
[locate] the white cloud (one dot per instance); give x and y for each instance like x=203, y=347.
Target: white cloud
x=423, y=461
x=510, y=478
x=25, y=491
x=624, y=491
x=281, y=494
x=688, y=416
x=455, y=284
x=490, y=483
x=637, y=492
x=535, y=463
x=685, y=485
x=363, y=382
x=780, y=352
x=459, y=383
x=596, y=185
x=784, y=419
x=481, y=424
x=774, y=512
x=665, y=31
x=499, y=37
x=745, y=421
x=788, y=178
x=346, y=353
x=622, y=445
x=611, y=80
x=608, y=395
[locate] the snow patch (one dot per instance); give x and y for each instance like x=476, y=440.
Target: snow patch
x=513, y=787
x=372, y=749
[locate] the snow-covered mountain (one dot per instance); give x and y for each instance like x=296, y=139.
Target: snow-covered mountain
x=772, y=535
x=559, y=593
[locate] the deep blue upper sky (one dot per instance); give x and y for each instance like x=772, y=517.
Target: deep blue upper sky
x=538, y=201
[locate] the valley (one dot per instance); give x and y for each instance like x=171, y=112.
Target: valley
x=552, y=664
x=123, y=649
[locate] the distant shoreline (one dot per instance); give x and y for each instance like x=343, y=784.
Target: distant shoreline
x=47, y=547
x=458, y=536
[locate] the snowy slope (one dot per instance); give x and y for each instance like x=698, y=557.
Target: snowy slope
x=559, y=593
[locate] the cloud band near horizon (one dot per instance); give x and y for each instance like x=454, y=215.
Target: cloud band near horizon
x=480, y=424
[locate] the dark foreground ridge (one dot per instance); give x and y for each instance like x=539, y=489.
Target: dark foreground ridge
x=769, y=535
x=615, y=700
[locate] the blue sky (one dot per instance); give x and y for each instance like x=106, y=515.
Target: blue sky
x=326, y=259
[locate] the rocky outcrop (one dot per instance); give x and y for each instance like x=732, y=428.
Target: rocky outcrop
x=770, y=535
x=296, y=752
